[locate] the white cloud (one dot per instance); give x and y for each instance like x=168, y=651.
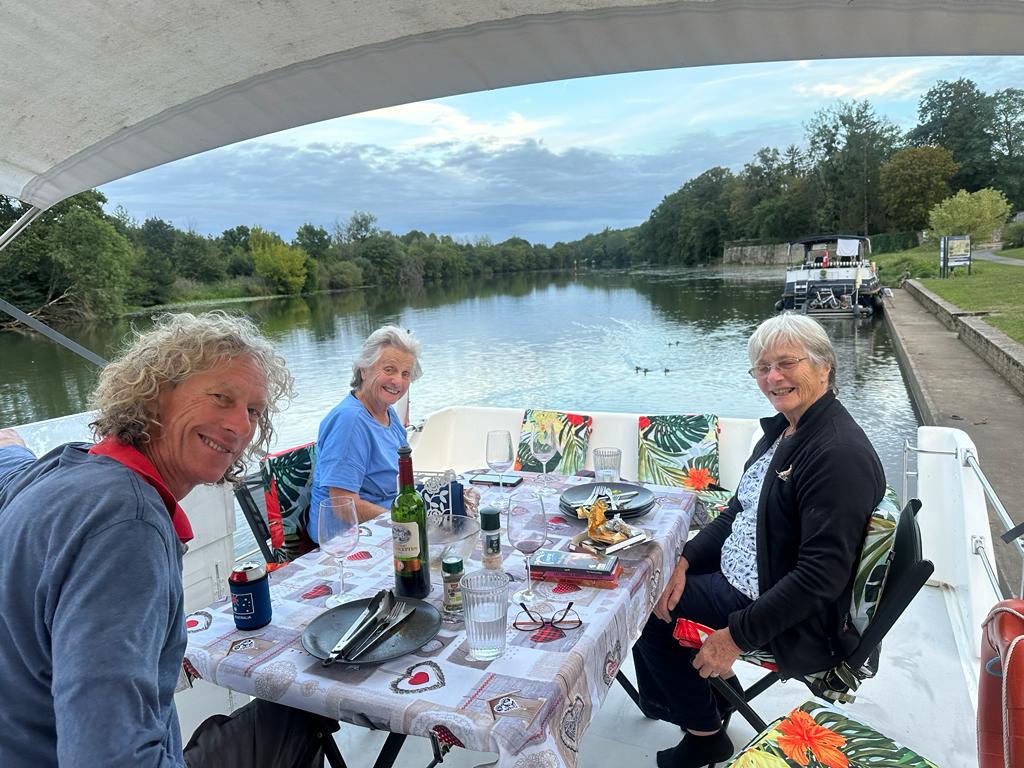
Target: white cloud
x=904, y=83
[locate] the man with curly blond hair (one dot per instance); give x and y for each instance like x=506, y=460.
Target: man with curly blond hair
x=92, y=631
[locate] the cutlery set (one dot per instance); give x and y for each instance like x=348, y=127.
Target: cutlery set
x=382, y=615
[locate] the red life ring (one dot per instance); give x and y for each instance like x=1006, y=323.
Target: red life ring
x=1001, y=687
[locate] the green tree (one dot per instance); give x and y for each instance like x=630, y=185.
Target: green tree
x=913, y=181
x=314, y=240
x=848, y=143
x=1008, y=143
x=959, y=116
x=282, y=266
x=199, y=258
x=978, y=214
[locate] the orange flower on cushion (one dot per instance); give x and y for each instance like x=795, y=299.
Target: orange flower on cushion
x=698, y=478
x=799, y=734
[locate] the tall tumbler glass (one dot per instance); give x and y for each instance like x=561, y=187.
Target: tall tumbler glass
x=485, y=608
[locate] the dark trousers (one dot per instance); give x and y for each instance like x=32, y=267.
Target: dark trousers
x=261, y=734
x=670, y=688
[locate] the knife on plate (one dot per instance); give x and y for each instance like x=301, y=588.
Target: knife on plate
x=380, y=633
x=378, y=607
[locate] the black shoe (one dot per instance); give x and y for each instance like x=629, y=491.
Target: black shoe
x=697, y=751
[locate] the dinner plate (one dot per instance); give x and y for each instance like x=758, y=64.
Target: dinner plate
x=625, y=514
x=412, y=634
x=640, y=504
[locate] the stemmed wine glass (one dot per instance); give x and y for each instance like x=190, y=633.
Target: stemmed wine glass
x=544, y=446
x=499, y=453
x=337, y=530
x=527, y=532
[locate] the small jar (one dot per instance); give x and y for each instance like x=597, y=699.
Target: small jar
x=490, y=532
x=451, y=575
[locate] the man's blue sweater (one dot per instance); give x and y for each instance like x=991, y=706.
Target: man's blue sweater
x=92, y=630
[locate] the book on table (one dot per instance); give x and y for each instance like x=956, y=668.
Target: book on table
x=608, y=581
x=574, y=563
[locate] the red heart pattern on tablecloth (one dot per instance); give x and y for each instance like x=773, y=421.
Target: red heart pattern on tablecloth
x=198, y=621
x=362, y=554
x=556, y=520
x=423, y=676
x=565, y=588
x=445, y=736
x=547, y=634
x=320, y=590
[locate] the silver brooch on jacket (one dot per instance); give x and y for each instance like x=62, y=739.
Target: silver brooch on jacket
x=785, y=473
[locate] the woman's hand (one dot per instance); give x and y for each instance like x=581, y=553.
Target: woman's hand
x=717, y=655
x=673, y=591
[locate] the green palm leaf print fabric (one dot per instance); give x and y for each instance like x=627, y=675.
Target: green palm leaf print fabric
x=287, y=487
x=573, y=430
x=679, y=450
x=821, y=736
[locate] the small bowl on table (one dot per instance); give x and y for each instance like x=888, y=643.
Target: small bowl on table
x=451, y=536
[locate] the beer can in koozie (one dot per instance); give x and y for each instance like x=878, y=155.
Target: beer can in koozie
x=250, y=595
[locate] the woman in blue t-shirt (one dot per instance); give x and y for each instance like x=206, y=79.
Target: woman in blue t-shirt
x=357, y=447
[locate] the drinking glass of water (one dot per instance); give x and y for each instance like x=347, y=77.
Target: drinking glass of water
x=544, y=446
x=527, y=532
x=607, y=462
x=337, y=530
x=485, y=607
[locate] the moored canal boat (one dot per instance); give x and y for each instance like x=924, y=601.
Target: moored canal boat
x=833, y=276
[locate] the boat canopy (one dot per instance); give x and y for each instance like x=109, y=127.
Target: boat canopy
x=92, y=92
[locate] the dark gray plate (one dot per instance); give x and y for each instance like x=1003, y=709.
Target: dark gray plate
x=639, y=505
x=326, y=629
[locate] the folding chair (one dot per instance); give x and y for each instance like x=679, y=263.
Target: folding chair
x=890, y=573
x=275, y=503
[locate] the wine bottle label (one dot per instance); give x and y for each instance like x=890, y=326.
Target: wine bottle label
x=405, y=538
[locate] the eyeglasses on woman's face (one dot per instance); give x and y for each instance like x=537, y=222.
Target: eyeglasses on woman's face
x=785, y=365
x=528, y=621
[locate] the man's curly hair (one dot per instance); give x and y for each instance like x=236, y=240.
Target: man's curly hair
x=178, y=346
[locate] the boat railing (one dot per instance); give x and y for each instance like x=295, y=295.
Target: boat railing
x=966, y=457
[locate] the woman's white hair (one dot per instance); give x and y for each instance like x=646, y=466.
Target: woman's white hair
x=799, y=330
x=388, y=336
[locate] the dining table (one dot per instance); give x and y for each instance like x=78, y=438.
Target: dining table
x=531, y=706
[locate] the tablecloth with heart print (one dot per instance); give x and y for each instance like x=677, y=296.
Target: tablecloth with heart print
x=531, y=706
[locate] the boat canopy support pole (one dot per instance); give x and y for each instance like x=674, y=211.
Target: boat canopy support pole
x=6, y=239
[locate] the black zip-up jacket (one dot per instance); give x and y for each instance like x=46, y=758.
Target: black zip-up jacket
x=818, y=494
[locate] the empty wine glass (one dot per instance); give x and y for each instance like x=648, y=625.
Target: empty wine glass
x=499, y=453
x=337, y=530
x=544, y=446
x=527, y=532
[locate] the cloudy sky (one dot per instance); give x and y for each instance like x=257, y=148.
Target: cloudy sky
x=546, y=162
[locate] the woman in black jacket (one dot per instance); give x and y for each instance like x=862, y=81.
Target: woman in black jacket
x=775, y=570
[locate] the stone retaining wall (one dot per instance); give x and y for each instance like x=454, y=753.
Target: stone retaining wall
x=756, y=254
x=1005, y=355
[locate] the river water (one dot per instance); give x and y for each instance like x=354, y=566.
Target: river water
x=538, y=340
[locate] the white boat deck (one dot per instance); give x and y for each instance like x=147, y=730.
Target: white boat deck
x=919, y=698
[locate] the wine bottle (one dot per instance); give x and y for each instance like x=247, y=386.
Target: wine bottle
x=409, y=533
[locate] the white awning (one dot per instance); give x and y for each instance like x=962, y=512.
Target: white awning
x=95, y=91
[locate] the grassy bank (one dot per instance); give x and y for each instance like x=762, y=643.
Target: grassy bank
x=991, y=287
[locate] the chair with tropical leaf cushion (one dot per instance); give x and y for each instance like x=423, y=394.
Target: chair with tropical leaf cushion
x=816, y=734
x=280, y=522
x=679, y=450
x=573, y=431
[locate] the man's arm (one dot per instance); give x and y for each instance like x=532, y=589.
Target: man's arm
x=15, y=458
x=109, y=634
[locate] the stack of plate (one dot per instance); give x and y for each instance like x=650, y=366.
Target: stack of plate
x=637, y=505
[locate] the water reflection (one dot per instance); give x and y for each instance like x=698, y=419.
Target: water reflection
x=520, y=340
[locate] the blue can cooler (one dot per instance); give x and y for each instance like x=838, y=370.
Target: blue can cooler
x=250, y=595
